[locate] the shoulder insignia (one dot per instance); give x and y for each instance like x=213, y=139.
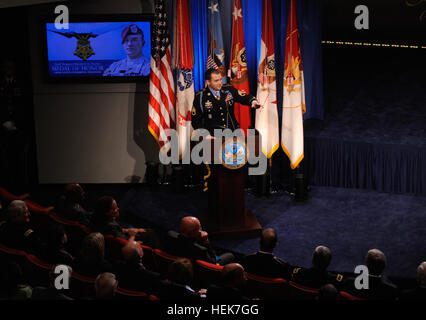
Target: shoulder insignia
x=194, y=111
x=242, y=93
x=339, y=277
x=28, y=232
x=296, y=270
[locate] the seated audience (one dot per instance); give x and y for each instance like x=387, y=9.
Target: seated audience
x=91, y=261
x=231, y=284
x=328, y=292
x=105, y=220
x=16, y=233
x=69, y=204
x=177, y=286
x=419, y=293
x=132, y=274
x=12, y=283
x=106, y=286
x=51, y=293
x=263, y=262
x=55, y=252
x=193, y=243
x=380, y=288
x=317, y=275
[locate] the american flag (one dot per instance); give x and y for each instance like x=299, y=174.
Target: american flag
x=161, y=108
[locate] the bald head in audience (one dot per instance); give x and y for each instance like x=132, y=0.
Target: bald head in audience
x=233, y=275
x=268, y=240
x=17, y=212
x=327, y=292
x=190, y=227
x=421, y=274
x=321, y=258
x=375, y=261
x=106, y=285
x=132, y=252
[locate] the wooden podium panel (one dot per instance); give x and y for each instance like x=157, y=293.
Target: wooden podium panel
x=227, y=216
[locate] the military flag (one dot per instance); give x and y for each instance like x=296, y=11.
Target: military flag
x=293, y=93
x=267, y=115
x=161, y=107
x=215, y=51
x=238, y=65
x=184, y=63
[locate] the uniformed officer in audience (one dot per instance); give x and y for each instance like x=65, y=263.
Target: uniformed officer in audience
x=213, y=107
x=135, y=64
x=16, y=232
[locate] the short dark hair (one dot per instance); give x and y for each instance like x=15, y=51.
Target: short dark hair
x=209, y=72
x=268, y=239
x=181, y=271
x=103, y=205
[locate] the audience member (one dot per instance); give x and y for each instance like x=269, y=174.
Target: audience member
x=328, y=292
x=194, y=243
x=231, y=285
x=16, y=232
x=379, y=288
x=12, y=284
x=105, y=220
x=177, y=286
x=70, y=207
x=91, y=261
x=263, y=262
x=317, y=275
x=51, y=293
x=419, y=293
x=55, y=252
x=106, y=286
x=132, y=274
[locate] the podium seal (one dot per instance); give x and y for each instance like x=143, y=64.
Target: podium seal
x=233, y=153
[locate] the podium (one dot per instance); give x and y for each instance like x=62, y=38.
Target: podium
x=227, y=216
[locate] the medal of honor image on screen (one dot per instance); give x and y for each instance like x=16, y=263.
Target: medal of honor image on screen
x=99, y=49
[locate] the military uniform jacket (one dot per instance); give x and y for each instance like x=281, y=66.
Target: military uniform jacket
x=211, y=113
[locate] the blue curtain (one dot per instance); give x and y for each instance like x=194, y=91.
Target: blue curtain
x=310, y=29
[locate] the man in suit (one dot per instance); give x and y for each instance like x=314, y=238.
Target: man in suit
x=132, y=274
x=69, y=204
x=317, y=275
x=380, y=288
x=264, y=262
x=194, y=243
x=177, y=286
x=231, y=285
x=213, y=106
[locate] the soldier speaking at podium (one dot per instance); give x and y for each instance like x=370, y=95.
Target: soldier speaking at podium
x=213, y=106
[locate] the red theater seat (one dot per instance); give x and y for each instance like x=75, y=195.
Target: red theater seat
x=125, y=294
x=266, y=288
x=163, y=260
x=347, y=296
x=300, y=292
x=206, y=273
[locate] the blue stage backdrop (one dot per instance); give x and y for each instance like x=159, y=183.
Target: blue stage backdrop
x=310, y=28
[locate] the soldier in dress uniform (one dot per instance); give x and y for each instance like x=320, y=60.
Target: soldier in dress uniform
x=213, y=107
x=16, y=231
x=135, y=64
x=317, y=275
